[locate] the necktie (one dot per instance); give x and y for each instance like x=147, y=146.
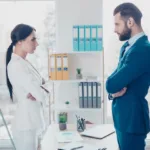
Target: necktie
x=124, y=48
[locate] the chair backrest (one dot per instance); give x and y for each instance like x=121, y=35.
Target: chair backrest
x=5, y=124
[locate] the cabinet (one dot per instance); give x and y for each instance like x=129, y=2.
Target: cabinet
x=70, y=13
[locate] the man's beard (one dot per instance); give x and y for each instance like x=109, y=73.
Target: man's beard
x=125, y=35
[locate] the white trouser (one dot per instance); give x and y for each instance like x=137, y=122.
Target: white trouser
x=25, y=140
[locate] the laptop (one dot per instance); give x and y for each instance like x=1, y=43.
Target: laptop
x=99, y=131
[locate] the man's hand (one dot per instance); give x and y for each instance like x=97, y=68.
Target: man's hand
x=120, y=93
x=29, y=96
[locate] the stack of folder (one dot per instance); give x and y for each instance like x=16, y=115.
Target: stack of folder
x=87, y=38
x=59, y=67
x=89, y=95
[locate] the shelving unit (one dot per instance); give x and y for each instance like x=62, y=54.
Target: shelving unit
x=75, y=52
x=73, y=109
x=76, y=80
x=69, y=13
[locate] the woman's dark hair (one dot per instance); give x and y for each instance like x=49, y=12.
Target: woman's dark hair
x=20, y=32
x=127, y=10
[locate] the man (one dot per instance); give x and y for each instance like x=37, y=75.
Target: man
x=129, y=83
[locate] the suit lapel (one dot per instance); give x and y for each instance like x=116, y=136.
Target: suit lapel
x=137, y=43
x=34, y=72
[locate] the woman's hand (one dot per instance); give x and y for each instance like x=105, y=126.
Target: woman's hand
x=29, y=96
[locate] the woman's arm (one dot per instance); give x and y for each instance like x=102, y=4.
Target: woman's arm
x=22, y=77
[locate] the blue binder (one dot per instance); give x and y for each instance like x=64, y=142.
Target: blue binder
x=81, y=38
x=85, y=85
x=98, y=95
x=99, y=37
x=87, y=38
x=90, y=93
x=93, y=38
x=81, y=95
x=94, y=94
x=75, y=38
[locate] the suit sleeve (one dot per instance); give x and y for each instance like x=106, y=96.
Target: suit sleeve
x=134, y=66
x=25, y=80
x=109, y=94
x=116, y=68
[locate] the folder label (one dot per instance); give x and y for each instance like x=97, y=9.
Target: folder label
x=59, y=67
x=65, y=67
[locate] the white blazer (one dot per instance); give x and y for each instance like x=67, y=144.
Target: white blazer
x=25, y=79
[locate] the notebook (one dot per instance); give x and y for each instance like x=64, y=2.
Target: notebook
x=66, y=136
x=100, y=131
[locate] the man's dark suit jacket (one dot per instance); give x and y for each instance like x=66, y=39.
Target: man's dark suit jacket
x=130, y=111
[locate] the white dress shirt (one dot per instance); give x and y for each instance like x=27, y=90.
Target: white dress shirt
x=25, y=79
x=133, y=39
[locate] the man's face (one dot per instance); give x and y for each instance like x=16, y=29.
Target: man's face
x=121, y=28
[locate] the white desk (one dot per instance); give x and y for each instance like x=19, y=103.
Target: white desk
x=49, y=141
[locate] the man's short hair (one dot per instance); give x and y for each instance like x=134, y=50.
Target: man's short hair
x=127, y=10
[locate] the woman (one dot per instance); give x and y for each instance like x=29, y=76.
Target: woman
x=25, y=82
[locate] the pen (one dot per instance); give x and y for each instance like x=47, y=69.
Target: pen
x=77, y=148
x=80, y=122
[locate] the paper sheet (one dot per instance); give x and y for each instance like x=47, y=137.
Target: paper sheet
x=63, y=137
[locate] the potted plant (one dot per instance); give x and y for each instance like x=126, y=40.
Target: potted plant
x=78, y=75
x=62, y=121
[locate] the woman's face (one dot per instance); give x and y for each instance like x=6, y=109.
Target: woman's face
x=30, y=43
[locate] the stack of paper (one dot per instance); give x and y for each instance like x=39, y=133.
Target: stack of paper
x=63, y=137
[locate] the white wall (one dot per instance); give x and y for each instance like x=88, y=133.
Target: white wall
x=75, y=12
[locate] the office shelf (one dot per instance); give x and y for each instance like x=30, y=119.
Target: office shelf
x=76, y=52
x=91, y=63
x=75, y=109
x=75, y=80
